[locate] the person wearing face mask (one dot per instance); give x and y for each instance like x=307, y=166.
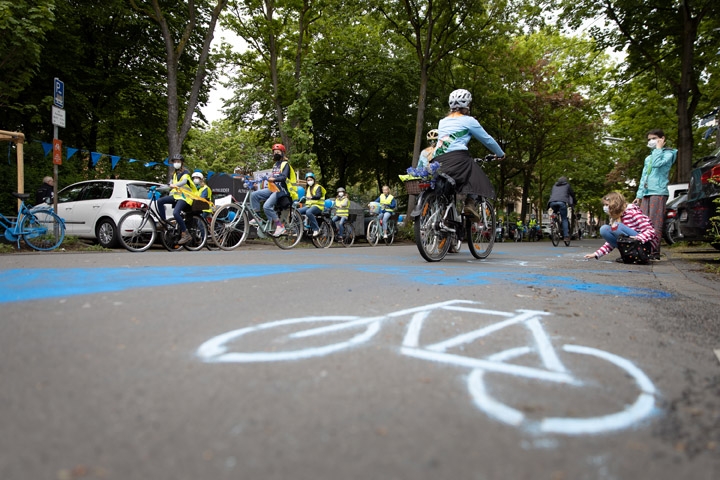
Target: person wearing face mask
x=388, y=204
x=562, y=197
x=625, y=220
x=203, y=191
x=181, y=193
x=268, y=198
x=342, y=211
x=652, y=193
x=314, y=202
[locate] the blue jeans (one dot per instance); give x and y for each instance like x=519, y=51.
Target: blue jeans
x=562, y=208
x=178, y=207
x=310, y=213
x=611, y=235
x=269, y=198
x=340, y=222
x=385, y=217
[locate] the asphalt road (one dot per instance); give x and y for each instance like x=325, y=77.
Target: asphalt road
x=359, y=363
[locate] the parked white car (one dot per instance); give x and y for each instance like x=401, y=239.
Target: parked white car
x=92, y=209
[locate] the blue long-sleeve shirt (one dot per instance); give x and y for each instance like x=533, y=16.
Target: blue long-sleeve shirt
x=455, y=132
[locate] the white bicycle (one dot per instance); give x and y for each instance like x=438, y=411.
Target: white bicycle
x=282, y=341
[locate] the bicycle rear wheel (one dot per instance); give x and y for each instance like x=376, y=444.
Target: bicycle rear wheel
x=198, y=232
x=554, y=233
x=349, y=235
x=481, y=232
x=392, y=229
x=293, y=230
x=373, y=232
x=229, y=226
x=325, y=239
x=43, y=230
x=136, y=231
x=432, y=243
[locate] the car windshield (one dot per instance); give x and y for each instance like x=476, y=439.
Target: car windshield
x=138, y=190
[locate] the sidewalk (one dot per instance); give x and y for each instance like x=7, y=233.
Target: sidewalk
x=690, y=262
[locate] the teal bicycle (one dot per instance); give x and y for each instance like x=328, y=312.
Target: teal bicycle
x=39, y=227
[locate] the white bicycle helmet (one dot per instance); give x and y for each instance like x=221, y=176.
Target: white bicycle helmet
x=198, y=175
x=460, y=99
x=432, y=134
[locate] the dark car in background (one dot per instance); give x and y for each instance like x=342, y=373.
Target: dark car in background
x=693, y=216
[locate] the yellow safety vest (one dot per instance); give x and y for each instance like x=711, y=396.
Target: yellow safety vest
x=209, y=197
x=386, y=202
x=309, y=202
x=342, y=207
x=187, y=191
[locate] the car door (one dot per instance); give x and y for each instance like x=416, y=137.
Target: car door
x=87, y=209
x=68, y=198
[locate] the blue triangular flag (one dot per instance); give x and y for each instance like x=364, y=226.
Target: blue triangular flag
x=71, y=151
x=114, y=159
x=47, y=147
x=95, y=157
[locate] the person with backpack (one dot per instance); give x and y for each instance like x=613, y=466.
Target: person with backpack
x=277, y=188
x=314, y=202
x=562, y=196
x=652, y=193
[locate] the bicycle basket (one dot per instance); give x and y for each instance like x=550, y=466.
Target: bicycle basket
x=374, y=208
x=414, y=187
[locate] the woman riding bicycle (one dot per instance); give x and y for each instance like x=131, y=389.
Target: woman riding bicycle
x=455, y=132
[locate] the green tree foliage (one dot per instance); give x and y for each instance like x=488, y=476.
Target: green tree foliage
x=674, y=43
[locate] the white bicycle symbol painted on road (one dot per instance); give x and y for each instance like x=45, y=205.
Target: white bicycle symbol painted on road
x=332, y=336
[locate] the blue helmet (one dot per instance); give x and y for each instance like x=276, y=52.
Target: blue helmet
x=309, y=174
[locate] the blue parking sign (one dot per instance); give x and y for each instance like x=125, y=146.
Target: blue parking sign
x=59, y=95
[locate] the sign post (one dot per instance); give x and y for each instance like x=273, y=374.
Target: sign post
x=58, y=120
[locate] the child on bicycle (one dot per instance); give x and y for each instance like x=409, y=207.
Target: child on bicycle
x=183, y=189
x=314, y=202
x=455, y=132
x=342, y=211
x=388, y=204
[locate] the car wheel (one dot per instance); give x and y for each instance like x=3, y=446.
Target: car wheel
x=106, y=233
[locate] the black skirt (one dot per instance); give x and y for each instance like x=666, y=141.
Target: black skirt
x=468, y=175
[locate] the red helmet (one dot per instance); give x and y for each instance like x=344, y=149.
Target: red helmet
x=279, y=146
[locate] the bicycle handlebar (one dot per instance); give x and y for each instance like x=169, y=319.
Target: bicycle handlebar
x=487, y=158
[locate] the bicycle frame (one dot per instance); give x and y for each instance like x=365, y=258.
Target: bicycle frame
x=14, y=229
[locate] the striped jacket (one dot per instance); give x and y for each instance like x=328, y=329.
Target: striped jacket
x=633, y=218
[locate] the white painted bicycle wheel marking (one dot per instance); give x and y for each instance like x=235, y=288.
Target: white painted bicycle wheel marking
x=640, y=409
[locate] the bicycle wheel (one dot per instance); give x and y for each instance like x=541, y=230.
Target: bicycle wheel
x=432, y=243
x=373, y=232
x=348, y=235
x=198, y=232
x=229, y=226
x=325, y=239
x=293, y=229
x=481, y=232
x=392, y=229
x=136, y=231
x=554, y=233
x=43, y=230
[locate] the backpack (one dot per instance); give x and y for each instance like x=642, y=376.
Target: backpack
x=291, y=182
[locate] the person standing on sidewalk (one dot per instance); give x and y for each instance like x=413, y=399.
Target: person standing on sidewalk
x=652, y=193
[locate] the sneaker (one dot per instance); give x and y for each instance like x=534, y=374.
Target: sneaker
x=470, y=210
x=385, y=236
x=316, y=233
x=279, y=230
x=339, y=239
x=619, y=260
x=184, y=238
x=566, y=239
x=253, y=223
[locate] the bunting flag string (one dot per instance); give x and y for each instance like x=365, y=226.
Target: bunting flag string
x=97, y=156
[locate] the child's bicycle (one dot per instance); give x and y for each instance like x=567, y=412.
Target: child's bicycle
x=375, y=227
x=39, y=227
x=326, y=227
x=139, y=228
x=230, y=224
x=348, y=237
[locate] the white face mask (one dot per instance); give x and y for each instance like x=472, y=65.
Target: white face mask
x=177, y=165
x=196, y=181
x=606, y=209
x=310, y=182
x=652, y=143
x=340, y=194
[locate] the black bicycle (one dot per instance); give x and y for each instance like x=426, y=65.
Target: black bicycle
x=138, y=229
x=348, y=237
x=438, y=223
x=556, y=229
